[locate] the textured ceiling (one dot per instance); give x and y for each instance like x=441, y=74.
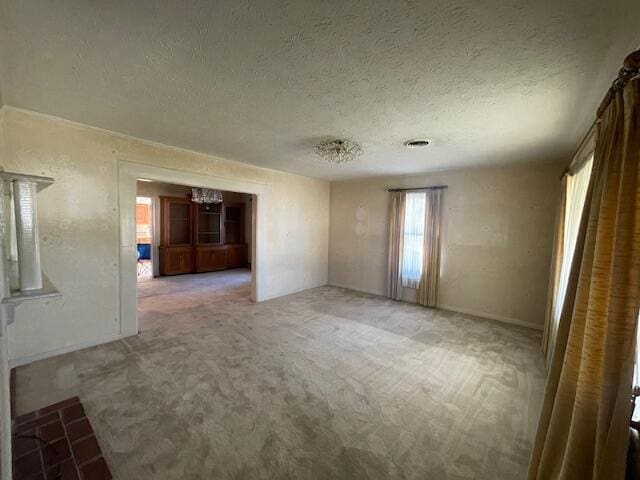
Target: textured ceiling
x=490, y=82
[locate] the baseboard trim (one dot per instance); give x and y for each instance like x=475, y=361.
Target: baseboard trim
x=27, y=359
x=476, y=313
x=491, y=316
x=375, y=294
x=278, y=295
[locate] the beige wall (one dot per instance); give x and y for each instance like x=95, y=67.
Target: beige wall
x=496, y=238
x=157, y=189
x=79, y=219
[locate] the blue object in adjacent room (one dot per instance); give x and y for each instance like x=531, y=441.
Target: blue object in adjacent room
x=144, y=251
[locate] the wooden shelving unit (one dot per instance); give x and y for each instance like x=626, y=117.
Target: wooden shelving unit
x=201, y=237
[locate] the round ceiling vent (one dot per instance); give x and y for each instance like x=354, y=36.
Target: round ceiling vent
x=417, y=143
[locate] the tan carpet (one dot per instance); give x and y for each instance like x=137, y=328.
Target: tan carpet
x=323, y=384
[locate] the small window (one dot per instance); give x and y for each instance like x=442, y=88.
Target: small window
x=413, y=248
x=636, y=374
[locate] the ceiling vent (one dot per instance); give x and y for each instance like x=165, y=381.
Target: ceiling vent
x=417, y=143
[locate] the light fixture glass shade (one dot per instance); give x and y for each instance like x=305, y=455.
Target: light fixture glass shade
x=205, y=195
x=338, y=151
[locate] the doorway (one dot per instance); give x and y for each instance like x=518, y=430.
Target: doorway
x=193, y=248
x=128, y=175
x=144, y=237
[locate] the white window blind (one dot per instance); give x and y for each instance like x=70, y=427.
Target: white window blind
x=636, y=373
x=413, y=248
x=577, y=185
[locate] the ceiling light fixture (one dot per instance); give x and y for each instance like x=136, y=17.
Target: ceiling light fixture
x=418, y=143
x=145, y=180
x=206, y=195
x=338, y=151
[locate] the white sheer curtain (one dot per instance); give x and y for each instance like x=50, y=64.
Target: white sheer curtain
x=413, y=248
x=577, y=185
x=636, y=373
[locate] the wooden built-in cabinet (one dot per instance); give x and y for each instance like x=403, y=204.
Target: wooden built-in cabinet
x=234, y=223
x=236, y=255
x=209, y=258
x=176, y=260
x=200, y=237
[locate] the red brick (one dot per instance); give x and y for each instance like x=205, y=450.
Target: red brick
x=59, y=406
x=24, y=444
x=96, y=470
x=79, y=429
x=24, y=418
x=37, y=476
x=86, y=449
x=51, y=431
x=56, y=452
x=51, y=417
x=27, y=466
x=72, y=413
x=64, y=471
x=66, y=427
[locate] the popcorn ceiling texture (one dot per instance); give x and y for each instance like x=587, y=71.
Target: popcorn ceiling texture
x=491, y=82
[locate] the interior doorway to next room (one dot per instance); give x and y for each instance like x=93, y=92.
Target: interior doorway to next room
x=144, y=237
x=194, y=247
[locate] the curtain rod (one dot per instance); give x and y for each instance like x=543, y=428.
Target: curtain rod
x=418, y=189
x=630, y=68
x=579, y=158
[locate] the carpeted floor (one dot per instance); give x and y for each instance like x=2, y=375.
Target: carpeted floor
x=323, y=384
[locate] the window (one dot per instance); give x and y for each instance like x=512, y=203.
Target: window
x=574, y=196
x=143, y=219
x=577, y=185
x=636, y=374
x=413, y=248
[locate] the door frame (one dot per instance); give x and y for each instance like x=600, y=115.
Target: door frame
x=128, y=174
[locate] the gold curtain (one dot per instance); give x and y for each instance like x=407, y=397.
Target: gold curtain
x=583, y=430
x=396, y=239
x=428, y=294
x=549, y=334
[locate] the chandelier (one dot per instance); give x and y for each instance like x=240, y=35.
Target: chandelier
x=205, y=195
x=338, y=151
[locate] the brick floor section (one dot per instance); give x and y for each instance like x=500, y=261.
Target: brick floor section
x=57, y=443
